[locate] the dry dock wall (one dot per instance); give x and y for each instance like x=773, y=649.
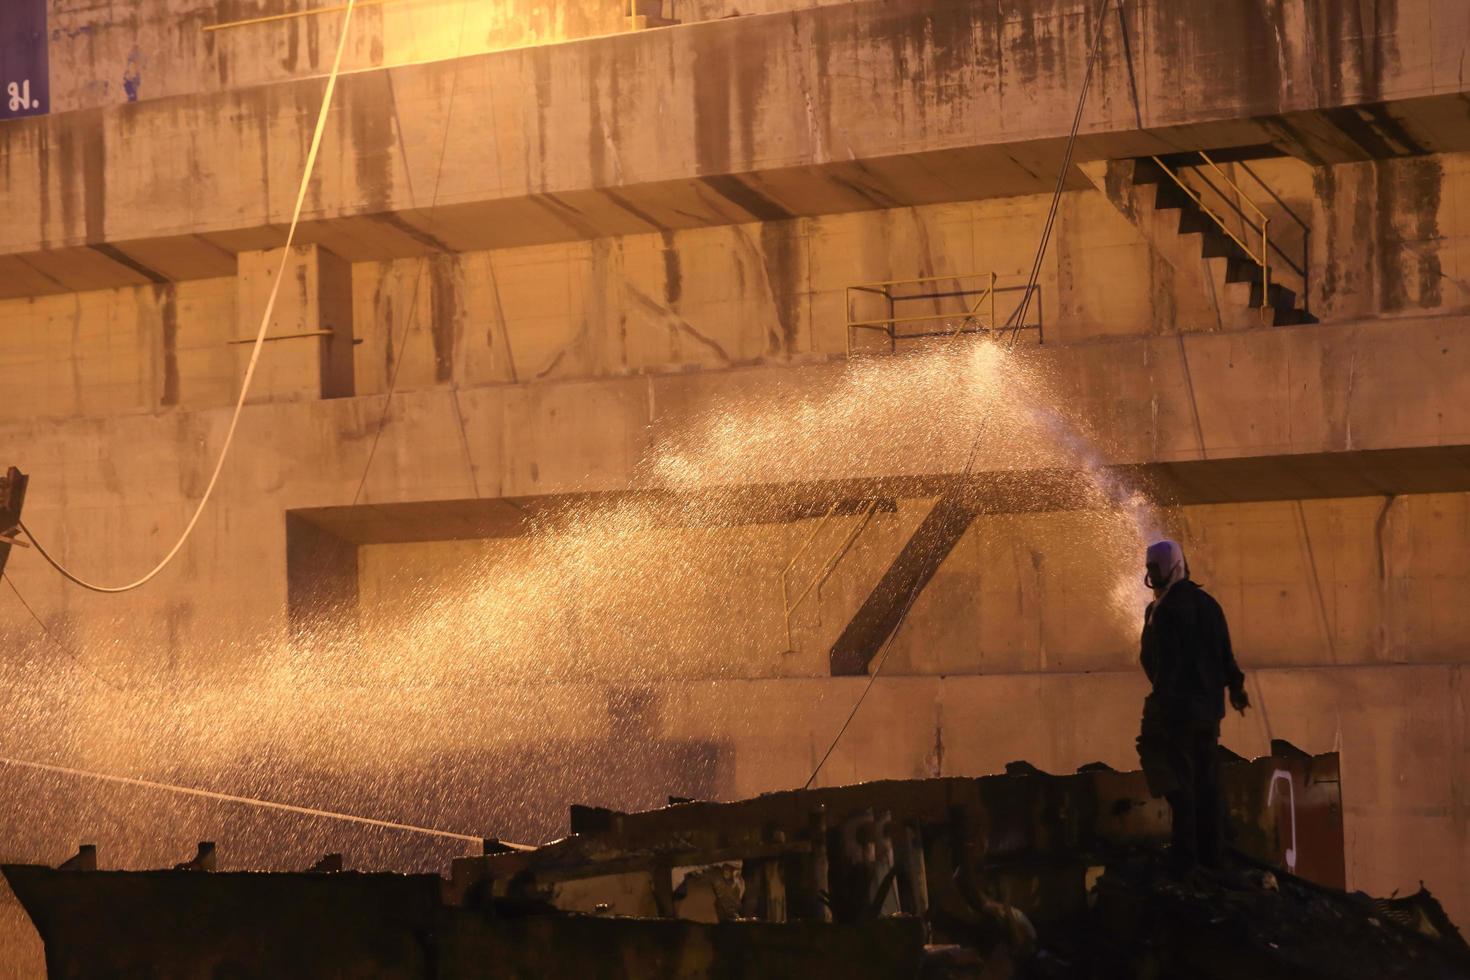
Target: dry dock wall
x=1317, y=474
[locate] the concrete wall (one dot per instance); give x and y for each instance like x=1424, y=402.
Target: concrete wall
x=1315, y=587
x=1390, y=240
x=688, y=134
x=1313, y=583
x=159, y=48
x=1228, y=396
x=664, y=307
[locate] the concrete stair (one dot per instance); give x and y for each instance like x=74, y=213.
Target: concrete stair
x=1240, y=269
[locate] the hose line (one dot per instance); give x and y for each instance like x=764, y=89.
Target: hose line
x=265, y=319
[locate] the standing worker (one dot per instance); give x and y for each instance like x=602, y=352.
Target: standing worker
x=1186, y=654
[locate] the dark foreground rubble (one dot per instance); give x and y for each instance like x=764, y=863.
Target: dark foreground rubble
x=1249, y=921
x=1021, y=875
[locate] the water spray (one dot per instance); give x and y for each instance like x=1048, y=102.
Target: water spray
x=1017, y=318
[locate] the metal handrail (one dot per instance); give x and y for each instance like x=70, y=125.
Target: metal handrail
x=1262, y=259
x=829, y=565
x=883, y=322
x=989, y=293
x=1305, y=269
x=985, y=295
x=1275, y=243
x=1265, y=225
x=1233, y=185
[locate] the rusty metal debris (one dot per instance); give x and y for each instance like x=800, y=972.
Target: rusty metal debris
x=1023, y=874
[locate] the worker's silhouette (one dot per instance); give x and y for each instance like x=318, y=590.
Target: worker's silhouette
x=1186, y=654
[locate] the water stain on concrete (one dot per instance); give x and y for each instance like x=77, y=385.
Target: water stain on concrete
x=447, y=313
x=313, y=41
x=673, y=275
x=1410, y=188
x=293, y=45
x=165, y=298
x=711, y=75
x=94, y=181
x=367, y=108
x=781, y=258
x=602, y=130
x=622, y=201
x=540, y=61
x=750, y=200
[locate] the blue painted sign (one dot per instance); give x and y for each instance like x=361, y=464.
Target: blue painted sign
x=25, y=88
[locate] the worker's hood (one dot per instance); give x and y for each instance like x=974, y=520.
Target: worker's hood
x=1164, y=565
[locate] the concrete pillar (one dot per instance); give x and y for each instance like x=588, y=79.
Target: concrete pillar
x=308, y=351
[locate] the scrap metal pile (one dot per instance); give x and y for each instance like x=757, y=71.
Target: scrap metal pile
x=1022, y=874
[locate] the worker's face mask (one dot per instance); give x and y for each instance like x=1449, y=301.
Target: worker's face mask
x=1164, y=565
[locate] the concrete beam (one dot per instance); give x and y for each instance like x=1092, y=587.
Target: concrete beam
x=1261, y=414
x=838, y=108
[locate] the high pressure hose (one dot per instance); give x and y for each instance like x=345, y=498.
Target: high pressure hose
x=265, y=319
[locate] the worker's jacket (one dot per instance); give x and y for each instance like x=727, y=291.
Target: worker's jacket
x=1186, y=654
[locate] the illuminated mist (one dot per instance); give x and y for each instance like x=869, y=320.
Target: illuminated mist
x=496, y=681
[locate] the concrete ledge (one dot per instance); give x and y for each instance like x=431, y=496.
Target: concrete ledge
x=1263, y=414
x=836, y=108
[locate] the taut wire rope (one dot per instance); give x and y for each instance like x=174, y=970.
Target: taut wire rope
x=232, y=798
x=402, y=346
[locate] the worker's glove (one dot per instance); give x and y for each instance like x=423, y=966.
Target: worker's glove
x=1239, y=700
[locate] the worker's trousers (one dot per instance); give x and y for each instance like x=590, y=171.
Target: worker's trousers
x=1181, y=762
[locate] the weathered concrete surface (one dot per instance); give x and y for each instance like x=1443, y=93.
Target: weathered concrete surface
x=161, y=48
x=751, y=294
x=1320, y=472
x=1237, y=407
x=834, y=115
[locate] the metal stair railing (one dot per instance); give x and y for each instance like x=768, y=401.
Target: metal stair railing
x=1303, y=270
x=828, y=566
x=978, y=314
x=1263, y=258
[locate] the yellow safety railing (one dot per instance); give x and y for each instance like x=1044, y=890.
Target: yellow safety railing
x=828, y=566
x=977, y=313
x=1194, y=195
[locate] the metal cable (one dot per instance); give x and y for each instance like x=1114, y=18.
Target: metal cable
x=232, y=798
x=188, y=790
x=70, y=654
x=219, y=465
x=265, y=319
x=1056, y=197
x=1018, y=318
